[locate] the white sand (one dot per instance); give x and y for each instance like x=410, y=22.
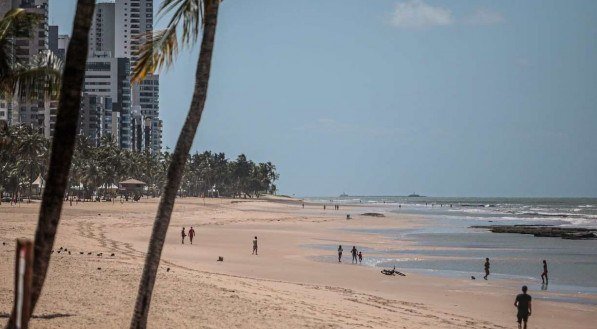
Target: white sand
x=283, y=287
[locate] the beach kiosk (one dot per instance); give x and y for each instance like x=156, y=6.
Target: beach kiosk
x=132, y=187
x=38, y=185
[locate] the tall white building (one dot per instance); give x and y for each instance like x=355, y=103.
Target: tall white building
x=109, y=77
x=119, y=28
x=103, y=28
x=134, y=19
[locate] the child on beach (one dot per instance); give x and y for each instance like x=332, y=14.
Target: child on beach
x=523, y=304
x=191, y=234
x=183, y=235
x=360, y=257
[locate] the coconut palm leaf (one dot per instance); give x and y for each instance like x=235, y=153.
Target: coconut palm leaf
x=25, y=78
x=40, y=77
x=161, y=47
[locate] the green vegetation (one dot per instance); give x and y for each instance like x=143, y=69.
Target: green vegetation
x=22, y=77
x=96, y=169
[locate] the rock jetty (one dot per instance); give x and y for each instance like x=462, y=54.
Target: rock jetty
x=571, y=233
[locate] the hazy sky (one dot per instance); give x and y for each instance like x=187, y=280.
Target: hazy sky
x=442, y=98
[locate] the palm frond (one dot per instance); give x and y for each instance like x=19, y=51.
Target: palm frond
x=41, y=76
x=16, y=23
x=161, y=47
x=9, y=29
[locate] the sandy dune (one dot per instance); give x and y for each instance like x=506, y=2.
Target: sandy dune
x=283, y=287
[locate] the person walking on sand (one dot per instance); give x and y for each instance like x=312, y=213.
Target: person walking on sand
x=544, y=278
x=254, y=246
x=191, y=234
x=523, y=304
x=183, y=235
x=340, y=253
x=486, y=268
x=354, y=253
x=360, y=257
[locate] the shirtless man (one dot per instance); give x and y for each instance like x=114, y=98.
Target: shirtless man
x=523, y=304
x=486, y=268
x=191, y=234
x=354, y=253
x=254, y=246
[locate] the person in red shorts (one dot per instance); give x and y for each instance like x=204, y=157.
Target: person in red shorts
x=544, y=278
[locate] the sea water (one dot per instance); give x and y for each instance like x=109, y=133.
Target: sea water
x=446, y=244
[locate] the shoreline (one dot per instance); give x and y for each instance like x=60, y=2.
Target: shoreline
x=280, y=287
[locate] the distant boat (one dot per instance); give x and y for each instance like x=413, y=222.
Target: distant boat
x=343, y=195
x=414, y=195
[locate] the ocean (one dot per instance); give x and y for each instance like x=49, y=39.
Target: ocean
x=446, y=245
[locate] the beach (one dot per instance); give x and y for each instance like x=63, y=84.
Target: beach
x=292, y=283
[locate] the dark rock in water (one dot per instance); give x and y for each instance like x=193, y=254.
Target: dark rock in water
x=373, y=214
x=572, y=233
x=580, y=236
x=473, y=278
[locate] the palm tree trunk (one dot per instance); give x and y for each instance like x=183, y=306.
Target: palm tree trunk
x=176, y=167
x=63, y=145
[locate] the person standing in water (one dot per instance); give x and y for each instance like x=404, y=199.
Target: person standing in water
x=544, y=278
x=486, y=268
x=360, y=257
x=183, y=235
x=340, y=253
x=191, y=234
x=254, y=246
x=354, y=253
x=523, y=304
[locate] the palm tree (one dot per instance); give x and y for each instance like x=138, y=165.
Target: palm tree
x=160, y=50
x=31, y=150
x=25, y=78
x=63, y=145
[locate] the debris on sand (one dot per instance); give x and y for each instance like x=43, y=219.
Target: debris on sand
x=373, y=214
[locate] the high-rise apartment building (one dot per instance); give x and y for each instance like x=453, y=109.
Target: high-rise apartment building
x=119, y=28
x=109, y=77
x=103, y=29
x=134, y=19
x=95, y=118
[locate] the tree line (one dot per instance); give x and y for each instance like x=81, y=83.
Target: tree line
x=97, y=169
